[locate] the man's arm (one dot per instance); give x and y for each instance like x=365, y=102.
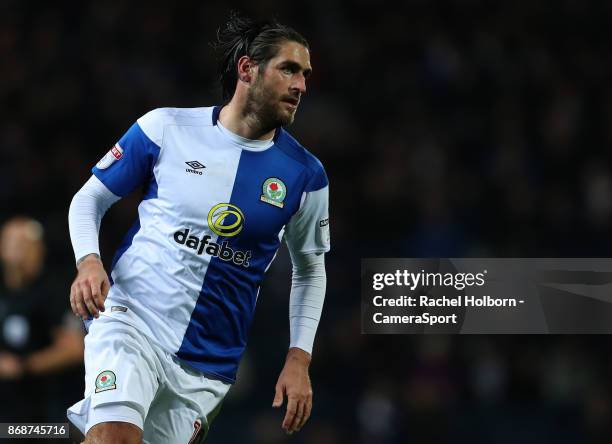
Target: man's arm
x=307, y=237
x=305, y=306
x=66, y=350
x=127, y=166
x=90, y=287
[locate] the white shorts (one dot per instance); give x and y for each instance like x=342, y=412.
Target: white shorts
x=129, y=378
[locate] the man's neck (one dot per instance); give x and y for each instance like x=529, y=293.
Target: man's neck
x=247, y=126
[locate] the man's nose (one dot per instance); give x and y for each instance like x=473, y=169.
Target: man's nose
x=299, y=83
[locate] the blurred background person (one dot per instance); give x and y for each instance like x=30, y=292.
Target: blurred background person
x=39, y=339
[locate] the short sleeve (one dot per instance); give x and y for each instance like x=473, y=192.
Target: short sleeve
x=308, y=229
x=129, y=163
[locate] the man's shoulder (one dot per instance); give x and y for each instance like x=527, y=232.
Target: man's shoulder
x=291, y=147
x=171, y=115
x=153, y=122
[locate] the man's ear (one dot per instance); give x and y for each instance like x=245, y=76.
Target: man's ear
x=245, y=69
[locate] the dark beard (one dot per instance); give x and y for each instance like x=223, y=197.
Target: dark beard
x=260, y=107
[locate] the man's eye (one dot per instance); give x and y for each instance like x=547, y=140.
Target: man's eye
x=287, y=71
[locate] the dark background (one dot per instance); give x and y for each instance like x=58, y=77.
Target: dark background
x=447, y=128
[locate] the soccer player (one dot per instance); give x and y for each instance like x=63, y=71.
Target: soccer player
x=222, y=186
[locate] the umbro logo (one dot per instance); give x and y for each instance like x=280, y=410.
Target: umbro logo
x=195, y=166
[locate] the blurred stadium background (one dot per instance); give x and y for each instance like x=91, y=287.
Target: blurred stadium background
x=448, y=128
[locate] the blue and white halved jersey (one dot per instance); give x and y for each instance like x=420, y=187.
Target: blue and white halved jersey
x=214, y=211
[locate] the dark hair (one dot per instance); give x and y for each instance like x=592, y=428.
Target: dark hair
x=260, y=40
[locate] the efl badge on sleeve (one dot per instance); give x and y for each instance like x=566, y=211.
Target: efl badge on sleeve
x=115, y=153
x=106, y=381
x=274, y=192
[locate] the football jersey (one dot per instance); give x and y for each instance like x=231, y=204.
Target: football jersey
x=214, y=210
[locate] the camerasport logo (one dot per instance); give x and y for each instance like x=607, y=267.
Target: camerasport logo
x=114, y=154
x=226, y=220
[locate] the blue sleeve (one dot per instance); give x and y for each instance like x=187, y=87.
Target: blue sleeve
x=129, y=164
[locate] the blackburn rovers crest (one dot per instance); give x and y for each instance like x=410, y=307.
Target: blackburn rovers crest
x=274, y=192
x=106, y=380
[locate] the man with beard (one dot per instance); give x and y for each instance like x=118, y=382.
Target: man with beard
x=222, y=186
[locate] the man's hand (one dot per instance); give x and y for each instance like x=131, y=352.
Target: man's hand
x=295, y=383
x=90, y=287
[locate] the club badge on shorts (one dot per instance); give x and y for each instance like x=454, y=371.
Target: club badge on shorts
x=274, y=192
x=106, y=380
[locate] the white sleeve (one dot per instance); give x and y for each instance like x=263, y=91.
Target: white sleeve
x=307, y=237
x=308, y=229
x=306, y=298
x=86, y=210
